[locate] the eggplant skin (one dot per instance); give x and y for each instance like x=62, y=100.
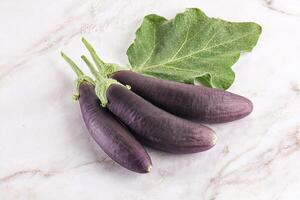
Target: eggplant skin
x=156, y=127
x=114, y=138
x=196, y=103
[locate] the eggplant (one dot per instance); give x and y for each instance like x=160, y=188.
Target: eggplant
x=156, y=127
x=196, y=103
x=152, y=125
x=113, y=137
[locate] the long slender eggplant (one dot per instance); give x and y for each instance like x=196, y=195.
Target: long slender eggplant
x=155, y=127
x=114, y=138
x=195, y=103
x=152, y=125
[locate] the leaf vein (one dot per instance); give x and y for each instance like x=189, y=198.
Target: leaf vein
x=184, y=42
x=196, y=52
x=152, y=51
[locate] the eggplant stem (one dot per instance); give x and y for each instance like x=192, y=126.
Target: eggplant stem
x=75, y=68
x=99, y=63
x=90, y=66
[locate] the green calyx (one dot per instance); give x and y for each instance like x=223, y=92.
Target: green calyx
x=78, y=83
x=101, y=87
x=101, y=72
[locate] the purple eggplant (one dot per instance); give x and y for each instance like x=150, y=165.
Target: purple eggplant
x=196, y=103
x=155, y=127
x=150, y=124
x=113, y=137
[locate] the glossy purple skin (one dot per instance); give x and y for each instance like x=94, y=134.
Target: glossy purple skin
x=192, y=102
x=155, y=127
x=114, y=139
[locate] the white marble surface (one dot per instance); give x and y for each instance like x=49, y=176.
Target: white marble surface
x=44, y=149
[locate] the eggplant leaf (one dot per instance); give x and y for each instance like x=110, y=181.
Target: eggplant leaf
x=191, y=48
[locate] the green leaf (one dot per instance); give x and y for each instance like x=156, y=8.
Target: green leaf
x=191, y=48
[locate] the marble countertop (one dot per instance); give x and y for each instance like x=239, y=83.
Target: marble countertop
x=44, y=149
